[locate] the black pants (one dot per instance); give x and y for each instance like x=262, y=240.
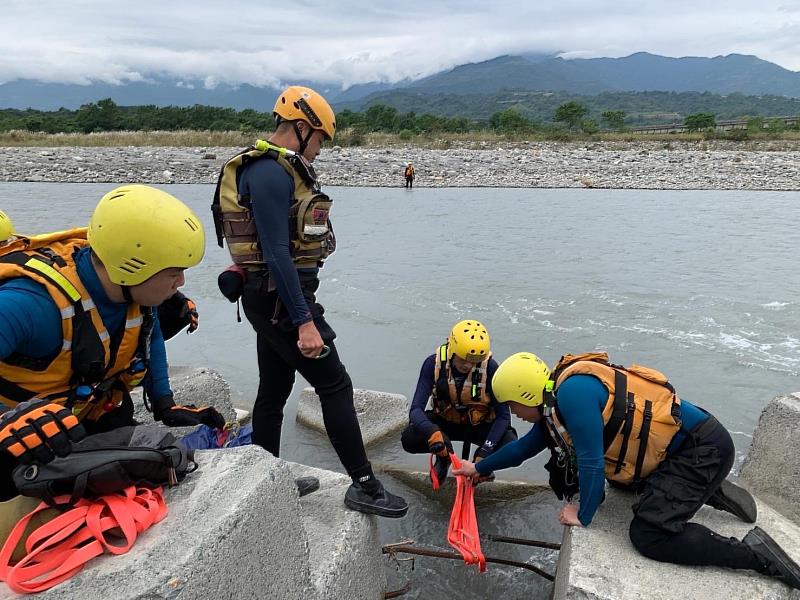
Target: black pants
x=675, y=491
x=416, y=442
x=279, y=359
x=409, y=182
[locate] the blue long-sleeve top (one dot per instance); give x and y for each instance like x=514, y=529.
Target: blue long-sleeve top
x=581, y=399
x=271, y=191
x=30, y=322
x=425, y=383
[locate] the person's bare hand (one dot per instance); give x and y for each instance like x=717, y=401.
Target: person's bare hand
x=309, y=341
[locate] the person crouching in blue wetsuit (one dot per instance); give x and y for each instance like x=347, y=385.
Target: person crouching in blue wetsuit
x=457, y=379
x=79, y=327
x=630, y=427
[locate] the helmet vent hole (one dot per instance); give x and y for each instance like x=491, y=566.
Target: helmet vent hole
x=132, y=265
x=192, y=225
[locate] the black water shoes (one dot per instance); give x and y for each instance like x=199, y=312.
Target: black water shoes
x=777, y=563
x=735, y=500
x=378, y=502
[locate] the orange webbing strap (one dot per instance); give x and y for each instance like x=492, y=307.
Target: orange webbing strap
x=59, y=549
x=463, y=530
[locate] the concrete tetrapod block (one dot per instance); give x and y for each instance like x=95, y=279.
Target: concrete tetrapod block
x=344, y=546
x=600, y=563
x=231, y=532
x=379, y=413
x=201, y=387
x=772, y=466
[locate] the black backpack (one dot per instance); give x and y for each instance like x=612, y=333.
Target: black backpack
x=142, y=455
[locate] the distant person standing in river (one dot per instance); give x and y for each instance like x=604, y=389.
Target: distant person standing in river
x=408, y=173
x=271, y=211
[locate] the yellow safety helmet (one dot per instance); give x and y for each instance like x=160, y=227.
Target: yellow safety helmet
x=468, y=340
x=137, y=231
x=6, y=227
x=298, y=102
x=522, y=378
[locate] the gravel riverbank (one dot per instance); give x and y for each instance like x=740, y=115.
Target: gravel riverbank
x=637, y=165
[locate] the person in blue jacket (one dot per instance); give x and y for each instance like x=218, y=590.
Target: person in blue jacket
x=79, y=326
x=457, y=379
x=630, y=427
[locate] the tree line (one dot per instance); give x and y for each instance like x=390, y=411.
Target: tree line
x=106, y=115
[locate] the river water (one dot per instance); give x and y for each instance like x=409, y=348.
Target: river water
x=702, y=285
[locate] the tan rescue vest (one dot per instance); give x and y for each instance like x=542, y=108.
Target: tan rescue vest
x=640, y=418
x=473, y=404
x=310, y=230
x=88, y=361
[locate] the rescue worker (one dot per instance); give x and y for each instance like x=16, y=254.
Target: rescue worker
x=79, y=329
x=457, y=379
x=269, y=208
x=629, y=426
x=6, y=228
x=408, y=173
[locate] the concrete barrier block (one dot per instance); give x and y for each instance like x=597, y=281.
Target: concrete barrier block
x=379, y=413
x=772, y=467
x=600, y=563
x=344, y=547
x=201, y=387
x=231, y=532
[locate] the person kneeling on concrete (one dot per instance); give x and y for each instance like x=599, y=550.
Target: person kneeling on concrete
x=629, y=426
x=457, y=379
x=78, y=327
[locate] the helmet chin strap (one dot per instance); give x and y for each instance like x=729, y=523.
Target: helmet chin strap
x=126, y=293
x=303, y=142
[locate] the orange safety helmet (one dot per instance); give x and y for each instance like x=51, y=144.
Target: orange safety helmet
x=301, y=103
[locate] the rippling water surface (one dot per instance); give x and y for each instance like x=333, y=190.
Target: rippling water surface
x=702, y=285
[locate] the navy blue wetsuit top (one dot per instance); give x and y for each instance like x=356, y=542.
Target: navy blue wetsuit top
x=581, y=399
x=30, y=323
x=271, y=191
x=425, y=382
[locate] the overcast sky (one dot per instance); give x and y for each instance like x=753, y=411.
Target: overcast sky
x=345, y=42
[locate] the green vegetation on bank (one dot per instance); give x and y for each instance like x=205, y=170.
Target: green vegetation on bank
x=215, y=126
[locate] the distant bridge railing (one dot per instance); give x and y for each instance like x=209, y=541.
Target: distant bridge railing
x=721, y=125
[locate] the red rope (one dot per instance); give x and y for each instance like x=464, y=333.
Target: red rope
x=61, y=547
x=462, y=534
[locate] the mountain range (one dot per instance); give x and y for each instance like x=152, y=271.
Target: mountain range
x=723, y=75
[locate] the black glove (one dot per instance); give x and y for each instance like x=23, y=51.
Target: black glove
x=172, y=415
x=480, y=454
x=191, y=312
x=38, y=431
x=439, y=444
x=175, y=313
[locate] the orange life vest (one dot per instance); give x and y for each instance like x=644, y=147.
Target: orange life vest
x=409, y=172
x=92, y=373
x=640, y=418
x=472, y=404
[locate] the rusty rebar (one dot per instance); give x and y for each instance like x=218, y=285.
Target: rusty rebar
x=408, y=549
x=521, y=541
x=397, y=593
